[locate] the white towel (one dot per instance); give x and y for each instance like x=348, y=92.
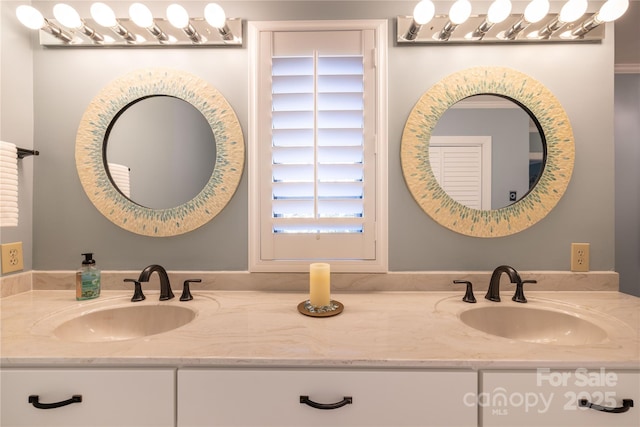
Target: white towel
x=8, y=184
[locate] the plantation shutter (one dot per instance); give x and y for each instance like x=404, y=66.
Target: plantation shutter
x=319, y=180
x=458, y=170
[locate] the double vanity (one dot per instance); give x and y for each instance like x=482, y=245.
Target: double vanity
x=249, y=358
x=407, y=350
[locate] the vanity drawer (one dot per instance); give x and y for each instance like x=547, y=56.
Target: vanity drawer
x=110, y=397
x=272, y=397
x=546, y=397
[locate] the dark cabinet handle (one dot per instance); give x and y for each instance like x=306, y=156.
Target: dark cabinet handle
x=345, y=401
x=626, y=404
x=35, y=401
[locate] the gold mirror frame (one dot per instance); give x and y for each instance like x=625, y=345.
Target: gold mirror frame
x=538, y=202
x=90, y=158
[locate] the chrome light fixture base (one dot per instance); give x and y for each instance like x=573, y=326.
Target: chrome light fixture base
x=176, y=37
x=464, y=33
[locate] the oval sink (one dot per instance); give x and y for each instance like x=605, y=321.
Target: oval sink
x=124, y=323
x=534, y=325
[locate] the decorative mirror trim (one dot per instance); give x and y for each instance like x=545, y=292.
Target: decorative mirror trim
x=535, y=205
x=94, y=128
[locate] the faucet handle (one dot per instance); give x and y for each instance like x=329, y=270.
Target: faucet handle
x=186, y=292
x=468, y=295
x=137, y=290
x=519, y=295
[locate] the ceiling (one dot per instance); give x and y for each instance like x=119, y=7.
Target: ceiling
x=627, y=36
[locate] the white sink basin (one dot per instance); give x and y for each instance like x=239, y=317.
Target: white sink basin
x=113, y=317
x=124, y=323
x=542, y=320
x=538, y=325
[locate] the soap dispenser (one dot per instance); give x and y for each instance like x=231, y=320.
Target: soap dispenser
x=88, y=279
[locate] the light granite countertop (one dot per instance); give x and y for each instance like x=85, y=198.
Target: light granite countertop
x=264, y=329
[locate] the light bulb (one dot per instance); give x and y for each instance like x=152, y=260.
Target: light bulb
x=612, y=10
x=499, y=11
x=141, y=15
x=536, y=10
x=178, y=16
x=460, y=12
x=573, y=10
x=67, y=16
x=103, y=15
x=423, y=12
x=215, y=16
x=30, y=17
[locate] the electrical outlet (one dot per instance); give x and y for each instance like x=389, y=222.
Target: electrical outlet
x=580, y=257
x=12, y=259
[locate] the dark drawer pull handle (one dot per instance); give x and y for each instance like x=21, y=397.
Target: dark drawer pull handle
x=348, y=400
x=35, y=401
x=626, y=404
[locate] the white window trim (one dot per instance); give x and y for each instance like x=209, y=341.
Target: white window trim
x=380, y=263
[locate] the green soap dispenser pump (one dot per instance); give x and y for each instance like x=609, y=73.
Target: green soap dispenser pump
x=88, y=279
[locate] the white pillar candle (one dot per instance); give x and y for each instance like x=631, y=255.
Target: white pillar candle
x=319, y=284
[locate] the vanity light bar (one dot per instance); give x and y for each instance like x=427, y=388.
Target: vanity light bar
x=572, y=24
x=467, y=32
x=124, y=32
x=176, y=36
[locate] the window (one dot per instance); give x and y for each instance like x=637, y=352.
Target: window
x=317, y=145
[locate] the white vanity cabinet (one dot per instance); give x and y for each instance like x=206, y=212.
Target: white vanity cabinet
x=550, y=397
x=109, y=397
x=359, y=397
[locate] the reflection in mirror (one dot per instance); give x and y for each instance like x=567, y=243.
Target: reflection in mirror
x=557, y=161
x=486, y=152
x=169, y=148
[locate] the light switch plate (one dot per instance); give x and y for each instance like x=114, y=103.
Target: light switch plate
x=12, y=259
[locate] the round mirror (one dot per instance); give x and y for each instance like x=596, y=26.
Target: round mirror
x=486, y=152
x=167, y=148
x=225, y=162
x=556, y=163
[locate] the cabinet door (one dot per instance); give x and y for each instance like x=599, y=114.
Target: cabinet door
x=272, y=397
x=110, y=397
x=551, y=397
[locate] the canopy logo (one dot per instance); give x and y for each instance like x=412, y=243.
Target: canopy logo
x=565, y=388
x=499, y=400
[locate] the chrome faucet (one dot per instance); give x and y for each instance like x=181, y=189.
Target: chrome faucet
x=493, y=294
x=165, y=286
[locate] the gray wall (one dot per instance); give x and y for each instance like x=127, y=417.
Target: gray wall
x=16, y=118
x=627, y=136
x=65, y=80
